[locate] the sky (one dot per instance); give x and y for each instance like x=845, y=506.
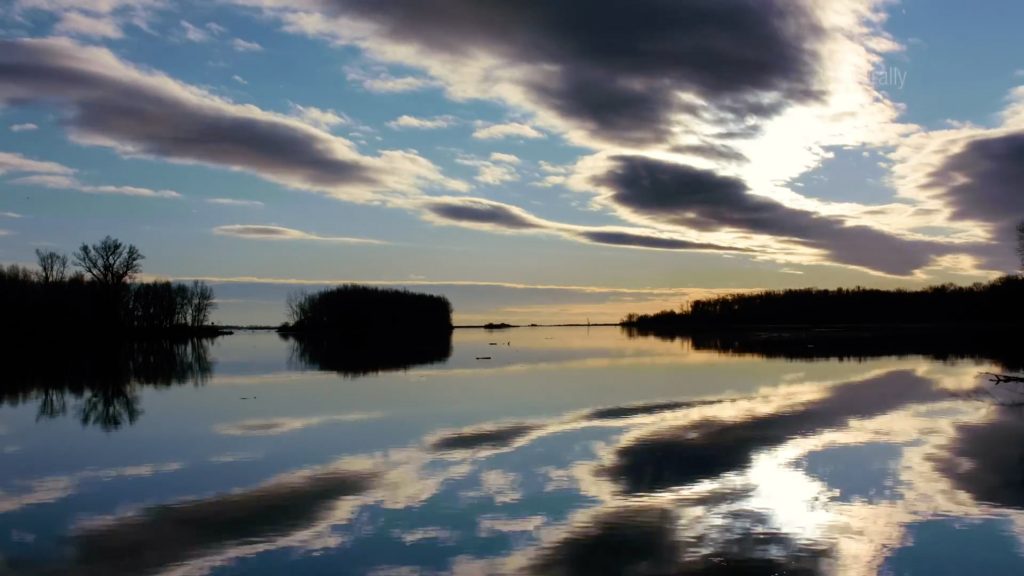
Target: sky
x=534, y=161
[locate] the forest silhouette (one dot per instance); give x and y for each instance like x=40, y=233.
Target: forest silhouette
x=996, y=303
x=101, y=297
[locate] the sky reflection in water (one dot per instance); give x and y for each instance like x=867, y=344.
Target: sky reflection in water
x=568, y=452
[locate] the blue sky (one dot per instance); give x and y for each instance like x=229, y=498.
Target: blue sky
x=534, y=162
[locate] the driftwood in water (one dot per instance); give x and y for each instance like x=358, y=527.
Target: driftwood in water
x=1003, y=378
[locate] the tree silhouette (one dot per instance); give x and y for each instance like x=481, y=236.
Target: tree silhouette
x=200, y=304
x=110, y=262
x=53, y=266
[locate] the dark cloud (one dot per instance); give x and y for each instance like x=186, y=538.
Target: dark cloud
x=166, y=535
x=995, y=452
x=644, y=541
x=703, y=200
x=681, y=455
x=617, y=70
x=712, y=151
x=112, y=104
x=496, y=437
x=645, y=241
x=982, y=182
x=616, y=412
x=480, y=211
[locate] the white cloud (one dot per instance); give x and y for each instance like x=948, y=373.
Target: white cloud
x=10, y=215
x=323, y=119
x=245, y=46
x=239, y=79
x=269, y=232
x=274, y=426
x=412, y=122
x=63, y=182
x=26, y=127
x=489, y=172
x=509, y=130
x=506, y=158
x=80, y=24
x=381, y=81
x=235, y=202
x=13, y=162
x=194, y=33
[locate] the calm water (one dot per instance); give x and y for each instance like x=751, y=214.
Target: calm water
x=568, y=451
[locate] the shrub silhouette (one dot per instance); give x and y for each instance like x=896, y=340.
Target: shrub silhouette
x=354, y=311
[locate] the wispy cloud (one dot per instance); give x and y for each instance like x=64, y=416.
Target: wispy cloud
x=274, y=426
x=323, y=118
x=240, y=45
x=413, y=122
x=194, y=33
x=61, y=182
x=27, y=127
x=13, y=162
x=235, y=202
x=381, y=81
x=509, y=130
x=269, y=232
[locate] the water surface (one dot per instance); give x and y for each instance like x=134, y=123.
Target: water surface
x=527, y=451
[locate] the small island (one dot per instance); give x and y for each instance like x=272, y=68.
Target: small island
x=354, y=311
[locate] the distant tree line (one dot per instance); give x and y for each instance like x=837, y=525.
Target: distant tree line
x=999, y=302
x=100, y=295
x=358, y=311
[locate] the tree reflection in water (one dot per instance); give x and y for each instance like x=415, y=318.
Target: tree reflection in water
x=100, y=380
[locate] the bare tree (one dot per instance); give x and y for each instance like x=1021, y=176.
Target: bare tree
x=53, y=266
x=110, y=262
x=200, y=304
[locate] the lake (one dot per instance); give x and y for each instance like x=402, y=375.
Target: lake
x=524, y=451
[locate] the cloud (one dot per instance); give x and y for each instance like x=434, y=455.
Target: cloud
x=437, y=122
x=262, y=232
x=235, y=202
x=510, y=130
x=614, y=238
x=506, y=158
x=274, y=426
x=239, y=79
x=496, y=216
x=694, y=199
x=10, y=215
x=625, y=74
x=112, y=104
x=381, y=81
x=240, y=45
x=174, y=534
x=53, y=488
x=13, y=162
x=194, y=33
x=102, y=19
x=500, y=436
x=477, y=212
x=489, y=172
x=676, y=456
x=27, y=127
x=79, y=24
x=62, y=182
x=981, y=183
x=321, y=118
